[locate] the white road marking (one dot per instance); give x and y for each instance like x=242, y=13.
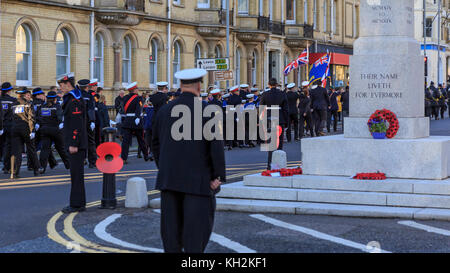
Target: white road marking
x=425, y=227
x=225, y=242
x=100, y=231
x=315, y=233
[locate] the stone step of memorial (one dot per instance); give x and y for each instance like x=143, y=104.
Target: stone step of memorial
x=307, y=208
x=419, y=200
x=413, y=186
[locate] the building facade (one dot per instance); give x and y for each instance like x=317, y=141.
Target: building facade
x=150, y=40
x=429, y=37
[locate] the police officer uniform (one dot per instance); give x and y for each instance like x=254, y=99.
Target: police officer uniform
x=90, y=121
x=187, y=194
x=292, y=97
x=132, y=123
x=7, y=121
x=75, y=136
x=49, y=117
x=23, y=132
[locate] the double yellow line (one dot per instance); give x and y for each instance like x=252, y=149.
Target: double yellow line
x=84, y=245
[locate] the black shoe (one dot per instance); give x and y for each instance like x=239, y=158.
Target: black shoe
x=125, y=162
x=139, y=156
x=42, y=170
x=70, y=209
x=53, y=166
x=146, y=158
x=230, y=148
x=36, y=172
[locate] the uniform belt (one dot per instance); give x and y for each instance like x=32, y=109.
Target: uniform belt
x=274, y=108
x=96, y=109
x=131, y=115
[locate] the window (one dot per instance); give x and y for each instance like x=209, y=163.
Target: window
x=98, y=58
x=218, y=52
x=334, y=16
x=238, y=66
x=286, y=62
x=290, y=12
x=126, y=61
x=203, y=4
x=325, y=21
x=254, y=59
x=177, y=2
x=243, y=6
x=315, y=14
x=176, y=62
x=62, y=52
x=429, y=27
x=270, y=9
x=197, y=53
x=305, y=11
x=153, y=60
x=23, y=56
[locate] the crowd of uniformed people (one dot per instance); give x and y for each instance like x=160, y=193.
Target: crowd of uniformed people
x=437, y=101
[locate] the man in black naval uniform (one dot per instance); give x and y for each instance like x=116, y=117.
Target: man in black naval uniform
x=76, y=141
x=90, y=121
x=235, y=101
x=292, y=96
x=23, y=132
x=49, y=117
x=160, y=98
x=132, y=123
x=320, y=103
x=6, y=135
x=187, y=194
x=38, y=101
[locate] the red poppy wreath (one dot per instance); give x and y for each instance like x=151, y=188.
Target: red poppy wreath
x=382, y=116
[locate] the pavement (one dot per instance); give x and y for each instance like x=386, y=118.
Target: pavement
x=32, y=223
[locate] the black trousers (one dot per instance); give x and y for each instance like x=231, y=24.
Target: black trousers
x=293, y=118
x=443, y=108
x=51, y=135
x=92, y=147
x=320, y=118
x=77, y=190
x=127, y=135
x=148, y=140
x=309, y=125
x=186, y=221
x=38, y=145
x=334, y=114
x=6, y=141
x=20, y=139
x=435, y=112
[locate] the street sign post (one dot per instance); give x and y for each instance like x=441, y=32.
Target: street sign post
x=223, y=76
x=218, y=64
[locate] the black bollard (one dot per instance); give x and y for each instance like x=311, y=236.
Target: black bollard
x=109, y=180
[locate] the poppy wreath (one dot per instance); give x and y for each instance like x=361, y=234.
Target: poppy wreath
x=284, y=172
x=390, y=117
x=370, y=176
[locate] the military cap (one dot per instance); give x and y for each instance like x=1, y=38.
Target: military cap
x=51, y=94
x=65, y=77
x=37, y=91
x=193, y=75
x=215, y=91
x=24, y=90
x=6, y=86
x=291, y=85
x=132, y=86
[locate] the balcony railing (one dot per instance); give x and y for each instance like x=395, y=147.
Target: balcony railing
x=276, y=28
x=308, y=31
x=135, y=5
x=223, y=17
x=263, y=23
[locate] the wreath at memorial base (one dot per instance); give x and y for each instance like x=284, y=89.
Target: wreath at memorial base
x=284, y=172
x=378, y=121
x=370, y=176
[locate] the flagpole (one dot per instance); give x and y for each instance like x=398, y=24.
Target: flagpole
x=307, y=65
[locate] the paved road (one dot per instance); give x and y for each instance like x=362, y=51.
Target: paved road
x=31, y=223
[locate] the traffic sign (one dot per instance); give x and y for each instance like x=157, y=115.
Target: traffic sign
x=214, y=64
x=223, y=75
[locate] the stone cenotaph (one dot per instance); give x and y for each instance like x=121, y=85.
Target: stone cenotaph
x=386, y=72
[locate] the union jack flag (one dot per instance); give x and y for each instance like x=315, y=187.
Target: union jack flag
x=303, y=58
x=289, y=68
x=327, y=72
x=322, y=60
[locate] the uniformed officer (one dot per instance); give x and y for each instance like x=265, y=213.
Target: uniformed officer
x=216, y=97
x=187, y=194
x=38, y=101
x=49, y=117
x=132, y=123
x=235, y=101
x=148, y=112
x=276, y=98
x=76, y=140
x=320, y=103
x=93, y=86
x=292, y=96
x=244, y=91
x=160, y=98
x=249, y=109
x=6, y=133
x=23, y=132
x=204, y=97
x=90, y=121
